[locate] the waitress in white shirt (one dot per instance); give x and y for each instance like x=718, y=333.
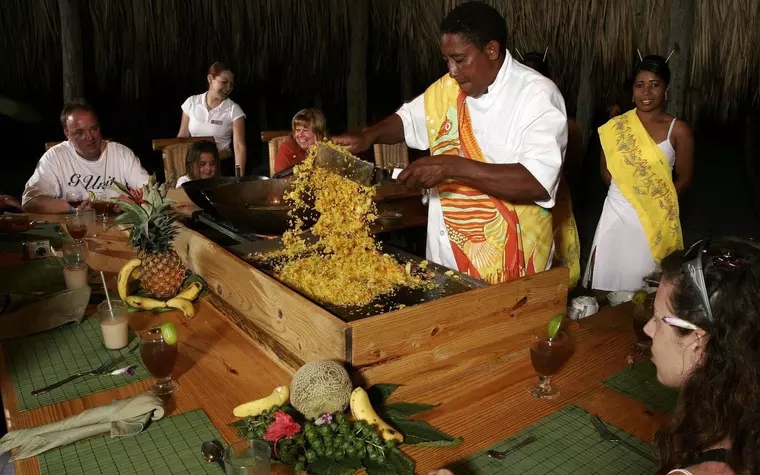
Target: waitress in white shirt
x=214, y=114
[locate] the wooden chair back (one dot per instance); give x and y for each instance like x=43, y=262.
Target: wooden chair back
x=174, y=154
x=391, y=156
x=273, y=139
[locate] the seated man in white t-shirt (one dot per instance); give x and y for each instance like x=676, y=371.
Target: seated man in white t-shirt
x=83, y=163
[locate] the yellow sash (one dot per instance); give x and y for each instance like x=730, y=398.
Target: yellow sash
x=567, y=244
x=491, y=239
x=642, y=172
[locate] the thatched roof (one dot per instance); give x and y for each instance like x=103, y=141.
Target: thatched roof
x=292, y=45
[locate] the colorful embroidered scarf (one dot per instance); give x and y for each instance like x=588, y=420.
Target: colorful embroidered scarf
x=643, y=175
x=567, y=244
x=491, y=239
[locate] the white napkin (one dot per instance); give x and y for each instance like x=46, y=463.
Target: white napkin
x=123, y=417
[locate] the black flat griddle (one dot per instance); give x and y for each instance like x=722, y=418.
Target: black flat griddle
x=447, y=285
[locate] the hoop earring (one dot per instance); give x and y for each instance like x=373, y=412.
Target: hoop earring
x=666, y=95
x=633, y=99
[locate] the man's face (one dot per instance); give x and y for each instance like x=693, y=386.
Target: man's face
x=83, y=130
x=472, y=68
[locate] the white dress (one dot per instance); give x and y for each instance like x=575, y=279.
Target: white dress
x=620, y=253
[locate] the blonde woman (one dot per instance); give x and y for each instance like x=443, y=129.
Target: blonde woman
x=308, y=127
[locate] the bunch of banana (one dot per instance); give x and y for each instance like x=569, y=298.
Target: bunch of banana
x=362, y=410
x=182, y=301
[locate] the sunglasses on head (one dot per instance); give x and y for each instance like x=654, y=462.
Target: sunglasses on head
x=693, y=269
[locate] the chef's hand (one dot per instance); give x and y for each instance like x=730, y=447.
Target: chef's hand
x=427, y=172
x=7, y=201
x=355, y=142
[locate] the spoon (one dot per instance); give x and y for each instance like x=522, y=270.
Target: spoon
x=500, y=455
x=212, y=451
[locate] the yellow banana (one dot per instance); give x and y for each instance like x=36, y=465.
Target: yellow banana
x=191, y=292
x=185, y=305
x=135, y=275
x=123, y=280
x=279, y=397
x=362, y=410
x=144, y=303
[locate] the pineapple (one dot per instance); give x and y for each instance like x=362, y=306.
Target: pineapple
x=152, y=229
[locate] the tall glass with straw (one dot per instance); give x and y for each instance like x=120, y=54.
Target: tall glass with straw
x=113, y=320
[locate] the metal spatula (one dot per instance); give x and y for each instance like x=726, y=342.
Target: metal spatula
x=344, y=164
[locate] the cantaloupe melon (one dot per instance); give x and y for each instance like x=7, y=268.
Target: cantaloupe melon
x=320, y=387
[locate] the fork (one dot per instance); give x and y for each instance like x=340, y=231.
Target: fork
x=605, y=433
x=106, y=367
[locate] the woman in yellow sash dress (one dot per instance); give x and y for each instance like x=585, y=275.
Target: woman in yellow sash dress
x=640, y=222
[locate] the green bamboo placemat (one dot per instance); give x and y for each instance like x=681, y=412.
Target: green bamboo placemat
x=53, y=232
x=168, y=446
x=567, y=444
x=640, y=383
x=45, y=358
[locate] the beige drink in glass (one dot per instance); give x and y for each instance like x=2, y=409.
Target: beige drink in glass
x=114, y=324
x=75, y=275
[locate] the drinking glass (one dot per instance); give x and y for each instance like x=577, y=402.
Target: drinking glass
x=159, y=357
x=75, y=199
x=114, y=324
x=547, y=356
x=75, y=267
x=247, y=457
x=76, y=225
x=641, y=315
x=101, y=207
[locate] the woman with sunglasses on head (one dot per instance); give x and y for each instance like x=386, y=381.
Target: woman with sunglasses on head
x=706, y=341
x=640, y=222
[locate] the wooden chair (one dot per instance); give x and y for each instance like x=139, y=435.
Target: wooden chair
x=174, y=153
x=274, y=138
x=391, y=156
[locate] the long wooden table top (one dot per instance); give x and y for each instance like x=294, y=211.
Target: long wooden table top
x=220, y=367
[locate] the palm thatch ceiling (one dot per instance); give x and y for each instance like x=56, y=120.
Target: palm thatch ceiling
x=293, y=45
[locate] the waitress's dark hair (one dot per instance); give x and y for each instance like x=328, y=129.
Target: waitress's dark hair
x=656, y=65
x=720, y=401
x=478, y=23
x=535, y=61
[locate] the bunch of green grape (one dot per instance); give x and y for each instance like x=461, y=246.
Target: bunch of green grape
x=256, y=426
x=338, y=440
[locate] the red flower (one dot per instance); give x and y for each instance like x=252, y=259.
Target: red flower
x=135, y=196
x=283, y=426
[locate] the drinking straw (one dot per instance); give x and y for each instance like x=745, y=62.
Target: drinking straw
x=105, y=289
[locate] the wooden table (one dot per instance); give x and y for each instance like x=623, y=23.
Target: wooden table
x=220, y=367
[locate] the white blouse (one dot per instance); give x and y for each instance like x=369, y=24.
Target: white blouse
x=216, y=122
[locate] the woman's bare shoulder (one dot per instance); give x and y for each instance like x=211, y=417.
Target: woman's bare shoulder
x=711, y=468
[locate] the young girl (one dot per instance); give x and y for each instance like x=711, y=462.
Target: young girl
x=202, y=162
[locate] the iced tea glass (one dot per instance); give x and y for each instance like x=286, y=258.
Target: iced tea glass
x=159, y=357
x=76, y=225
x=547, y=356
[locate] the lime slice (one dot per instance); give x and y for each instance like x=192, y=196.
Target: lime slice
x=554, y=324
x=169, y=332
x=91, y=195
x=639, y=297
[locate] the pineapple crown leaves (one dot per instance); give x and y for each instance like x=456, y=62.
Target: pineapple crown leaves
x=148, y=214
